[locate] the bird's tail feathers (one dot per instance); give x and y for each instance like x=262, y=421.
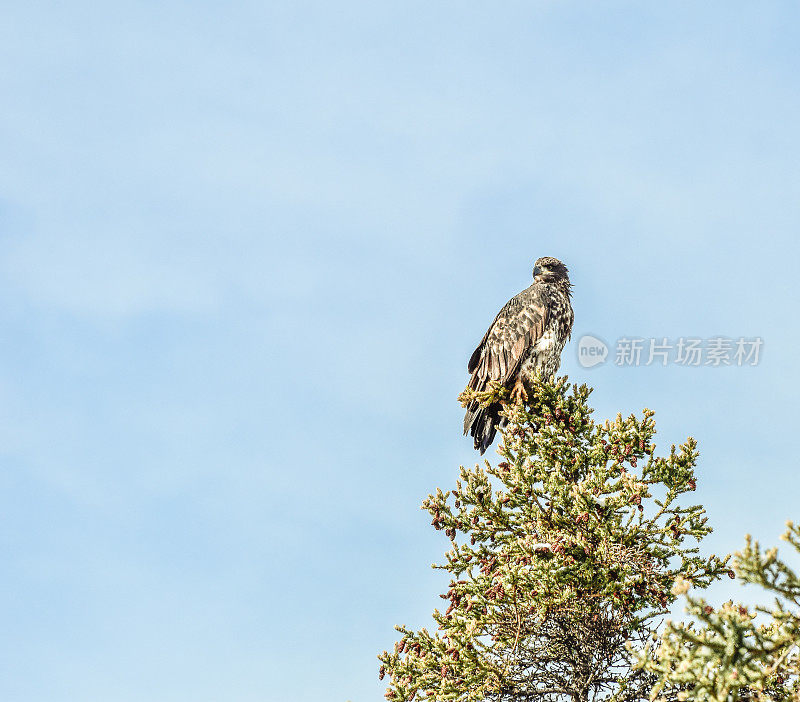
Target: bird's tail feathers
x=481, y=423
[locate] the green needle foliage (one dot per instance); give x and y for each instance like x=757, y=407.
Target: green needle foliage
x=562, y=557
x=727, y=654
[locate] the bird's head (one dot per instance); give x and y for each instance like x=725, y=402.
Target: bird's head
x=550, y=270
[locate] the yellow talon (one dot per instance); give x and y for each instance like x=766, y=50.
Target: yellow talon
x=518, y=393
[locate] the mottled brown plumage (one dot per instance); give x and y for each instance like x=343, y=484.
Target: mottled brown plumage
x=526, y=338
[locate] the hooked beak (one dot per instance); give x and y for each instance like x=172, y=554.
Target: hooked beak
x=536, y=271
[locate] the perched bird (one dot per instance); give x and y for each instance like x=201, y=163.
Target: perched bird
x=526, y=338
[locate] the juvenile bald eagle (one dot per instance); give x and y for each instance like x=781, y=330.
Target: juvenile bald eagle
x=526, y=337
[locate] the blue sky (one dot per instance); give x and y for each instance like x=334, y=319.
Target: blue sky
x=245, y=252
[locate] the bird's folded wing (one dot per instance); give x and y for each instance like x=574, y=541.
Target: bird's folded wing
x=515, y=329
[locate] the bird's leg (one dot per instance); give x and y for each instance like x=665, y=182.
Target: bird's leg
x=518, y=393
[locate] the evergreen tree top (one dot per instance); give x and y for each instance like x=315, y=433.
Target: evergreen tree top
x=559, y=554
